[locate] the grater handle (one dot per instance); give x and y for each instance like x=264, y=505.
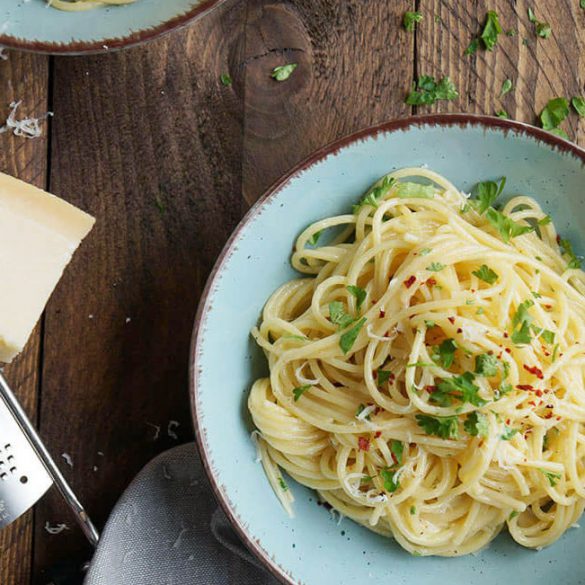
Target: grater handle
x=16, y=410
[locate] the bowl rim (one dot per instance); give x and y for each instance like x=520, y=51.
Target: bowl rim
x=110, y=44
x=441, y=120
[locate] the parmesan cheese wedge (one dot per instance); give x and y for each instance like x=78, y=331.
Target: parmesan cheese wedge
x=38, y=235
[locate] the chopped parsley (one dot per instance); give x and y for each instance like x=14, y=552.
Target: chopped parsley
x=300, y=390
x=338, y=316
x=359, y=294
x=486, y=193
x=522, y=335
x=544, y=334
x=506, y=87
x=486, y=274
x=486, y=365
x=445, y=353
x=502, y=114
x=513, y=514
x=282, y=484
x=225, y=79
x=425, y=251
x=472, y=48
x=283, y=72
x=545, y=220
x=429, y=324
x=553, y=478
x=491, y=30
x=375, y=193
x=435, y=267
x=522, y=315
x=390, y=484
x=347, y=340
x=567, y=250
x=446, y=427
x=460, y=387
x=476, y=424
x=579, y=104
x=359, y=410
x=397, y=449
x=409, y=190
x=508, y=433
x=427, y=91
x=505, y=388
x=413, y=508
x=555, y=112
x=506, y=226
x=411, y=19
x=383, y=377
x=542, y=29
x=315, y=238
x=555, y=352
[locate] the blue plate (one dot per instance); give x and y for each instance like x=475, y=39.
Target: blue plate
x=31, y=25
x=312, y=548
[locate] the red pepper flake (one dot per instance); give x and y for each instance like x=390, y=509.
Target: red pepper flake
x=377, y=410
x=528, y=387
x=375, y=374
x=431, y=282
x=532, y=403
x=459, y=330
x=506, y=335
x=451, y=320
x=382, y=313
x=534, y=371
x=558, y=238
x=430, y=389
x=499, y=356
x=508, y=350
x=549, y=307
x=378, y=434
x=507, y=421
x=410, y=281
x=558, y=418
x=363, y=444
x=549, y=414
x=538, y=392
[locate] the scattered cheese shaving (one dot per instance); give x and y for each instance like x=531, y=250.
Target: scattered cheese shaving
x=68, y=459
x=27, y=127
x=57, y=529
x=173, y=424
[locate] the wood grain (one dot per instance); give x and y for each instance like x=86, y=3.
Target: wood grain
x=23, y=77
x=148, y=141
x=355, y=64
x=540, y=69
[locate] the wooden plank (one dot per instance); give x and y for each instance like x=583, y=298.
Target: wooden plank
x=355, y=64
x=23, y=77
x=148, y=140
x=540, y=69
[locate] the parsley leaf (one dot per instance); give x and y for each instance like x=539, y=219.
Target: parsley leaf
x=425, y=251
x=300, y=390
x=347, y=340
x=506, y=226
x=476, y=424
x=486, y=274
x=542, y=29
x=582, y=4
x=461, y=387
x=435, y=267
x=410, y=19
x=429, y=324
x=282, y=484
x=445, y=353
x=579, y=104
x=472, y=48
x=413, y=508
x=390, y=485
x=567, y=250
x=427, y=91
x=506, y=87
x=359, y=410
x=522, y=315
x=508, y=433
x=375, y=193
x=522, y=336
x=315, y=238
x=225, y=79
x=446, y=427
x=502, y=114
x=505, y=388
x=283, y=72
x=545, y=220
x=486, y=365
x=548, y=336
x=553, y=478
x=359, y=293
x=383, y=377
x=408, y=190
x=486, y=193
x=397, y=449
x=491, y=30
x=338, y=316
x=555, y=111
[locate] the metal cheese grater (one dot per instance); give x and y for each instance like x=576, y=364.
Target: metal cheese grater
x=27, y=470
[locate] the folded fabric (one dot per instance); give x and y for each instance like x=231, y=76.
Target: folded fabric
x=167, y=530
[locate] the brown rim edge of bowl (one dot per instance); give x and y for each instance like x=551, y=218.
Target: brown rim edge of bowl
x=108, y=45
x=445, y=120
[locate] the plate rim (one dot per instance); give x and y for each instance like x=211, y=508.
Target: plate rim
x=107, y=45
x=440, y=120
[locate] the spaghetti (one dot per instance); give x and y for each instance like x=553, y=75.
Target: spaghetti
x=427, y=374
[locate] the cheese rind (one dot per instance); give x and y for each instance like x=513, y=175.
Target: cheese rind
x=38, y=235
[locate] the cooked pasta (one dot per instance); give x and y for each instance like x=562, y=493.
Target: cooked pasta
x=427, y=372
x=78, y=5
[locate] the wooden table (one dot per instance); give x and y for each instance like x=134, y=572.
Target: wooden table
x=168, y=159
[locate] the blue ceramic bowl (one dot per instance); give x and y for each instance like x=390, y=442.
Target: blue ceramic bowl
x=312, y=548
x=31, y=25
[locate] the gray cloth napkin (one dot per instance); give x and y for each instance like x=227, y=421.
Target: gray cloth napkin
x=167, y=530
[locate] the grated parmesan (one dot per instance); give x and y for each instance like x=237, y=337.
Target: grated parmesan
x=27, y=127
x=68, y=459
